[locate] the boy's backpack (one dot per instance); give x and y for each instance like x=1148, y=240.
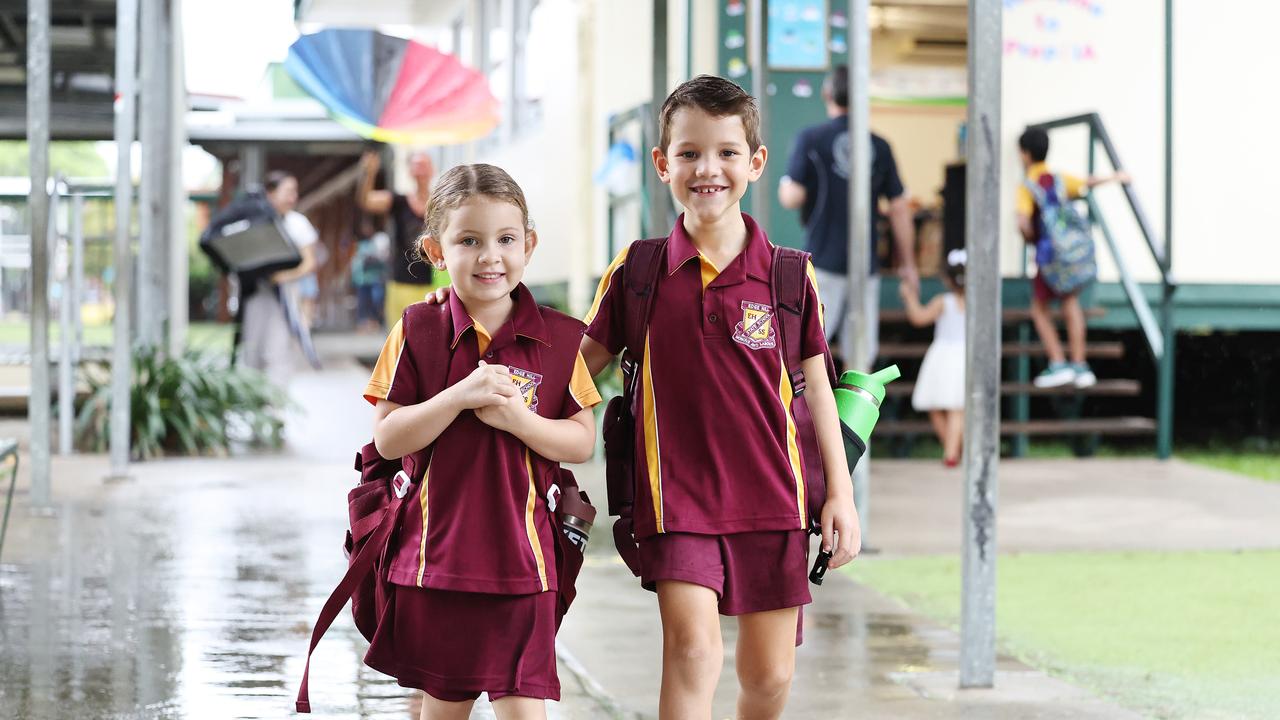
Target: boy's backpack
x=1064, y=253
x=639, y=277
x=373, y=507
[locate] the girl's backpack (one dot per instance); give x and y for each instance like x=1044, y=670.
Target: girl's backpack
x=1064, y=253
x=373, y=507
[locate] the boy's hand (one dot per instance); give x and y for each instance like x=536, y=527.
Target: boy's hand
x=439, y=296
x=487, y=385
x=506, y=415
x=1123, y=178
x=840, y=519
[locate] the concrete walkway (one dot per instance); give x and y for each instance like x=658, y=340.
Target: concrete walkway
x=189, y=591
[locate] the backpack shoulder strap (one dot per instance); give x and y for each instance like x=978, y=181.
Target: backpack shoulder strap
x=789, y=276
x=640, y=280
x=428, y=332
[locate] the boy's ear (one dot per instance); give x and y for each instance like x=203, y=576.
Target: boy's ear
x=660, y=164
x=530, y=242
x=758, y=159
x=434, y=252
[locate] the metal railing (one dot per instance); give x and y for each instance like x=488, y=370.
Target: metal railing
x=1158, y=333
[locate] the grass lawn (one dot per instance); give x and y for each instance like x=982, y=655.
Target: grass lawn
x=1173, y=635
x=201, y=335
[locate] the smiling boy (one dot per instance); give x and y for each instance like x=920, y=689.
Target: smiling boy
x=720, y=512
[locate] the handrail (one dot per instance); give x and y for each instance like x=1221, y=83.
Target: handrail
x=1099, y=132
x=1141, y=307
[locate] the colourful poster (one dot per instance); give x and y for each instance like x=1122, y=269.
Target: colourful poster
x=797, y=35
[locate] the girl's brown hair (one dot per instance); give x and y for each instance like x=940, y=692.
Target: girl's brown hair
x=461, y=183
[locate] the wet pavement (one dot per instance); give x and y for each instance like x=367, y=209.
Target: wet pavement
x=189, y=592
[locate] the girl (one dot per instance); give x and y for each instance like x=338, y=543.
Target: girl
x=472, y=565
x=940, y=386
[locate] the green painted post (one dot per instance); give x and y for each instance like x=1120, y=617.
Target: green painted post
x=1164, y=397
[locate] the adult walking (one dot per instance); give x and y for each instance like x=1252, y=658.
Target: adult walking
x=817, y=183
x=266, y=325
x=411, y=278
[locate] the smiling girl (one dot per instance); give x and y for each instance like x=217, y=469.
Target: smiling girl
x=472, y=566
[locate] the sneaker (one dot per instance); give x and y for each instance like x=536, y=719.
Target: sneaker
x=1056, y=375
x=1084, y=375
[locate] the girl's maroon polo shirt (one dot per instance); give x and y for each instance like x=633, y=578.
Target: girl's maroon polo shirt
x=477, y=521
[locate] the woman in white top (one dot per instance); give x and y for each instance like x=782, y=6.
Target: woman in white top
x=940, y=386
x=266, y=341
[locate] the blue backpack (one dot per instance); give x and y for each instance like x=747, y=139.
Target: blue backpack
x=1064, y=252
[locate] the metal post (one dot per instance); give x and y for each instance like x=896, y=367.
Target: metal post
x=758, y=32
x=854, y=342
x=121, y=358
x=153, y=137
x=659, y=197
x=688, y=39
x=178, y=276
x=77, y=275
x=69, y=338
x=38, y=89
x=252, y=164
x=982, y=331
x=1164, y=395
x=516, y=61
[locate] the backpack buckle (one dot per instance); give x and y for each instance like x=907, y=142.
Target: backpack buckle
x=553, y=497
x=797, y=384
x=403, y=488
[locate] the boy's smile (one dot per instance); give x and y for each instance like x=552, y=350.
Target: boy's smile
x=708, y=163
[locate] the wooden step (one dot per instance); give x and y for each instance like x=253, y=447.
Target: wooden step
x=1011, y=315
x=1083, y=426
x=1103, y=388
x=1096, y=350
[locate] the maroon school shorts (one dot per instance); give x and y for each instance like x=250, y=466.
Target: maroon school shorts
x=456, y=645
x=1042, y=292
x=750, y=571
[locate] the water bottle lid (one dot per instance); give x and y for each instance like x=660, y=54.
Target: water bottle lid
x=872, y=383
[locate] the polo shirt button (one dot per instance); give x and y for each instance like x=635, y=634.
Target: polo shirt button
x=489, y=354
x=712, y=317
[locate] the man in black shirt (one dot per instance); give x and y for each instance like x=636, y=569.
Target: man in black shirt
x=817, y=182
x=411, y=278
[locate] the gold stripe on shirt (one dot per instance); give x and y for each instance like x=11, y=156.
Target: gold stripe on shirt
x=652, y=450
x=813, y=281
x=422, y=546
x=384, y=371
x=606, y=282
x=530, y=527
x=793, y=447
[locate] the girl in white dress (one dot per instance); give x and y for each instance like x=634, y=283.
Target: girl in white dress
x=940, y=386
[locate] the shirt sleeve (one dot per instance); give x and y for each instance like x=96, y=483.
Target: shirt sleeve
x=813, y=339
x=1076, y=187
x=582, y=389
x=1025, y=202
x=890, y=185
x=394, y=377
x=300, y=229
x=606, y=319
x=799, y=169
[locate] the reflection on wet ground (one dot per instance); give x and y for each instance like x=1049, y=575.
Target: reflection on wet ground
x=182, y=596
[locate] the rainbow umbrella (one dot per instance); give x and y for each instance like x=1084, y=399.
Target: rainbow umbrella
x=391, y=89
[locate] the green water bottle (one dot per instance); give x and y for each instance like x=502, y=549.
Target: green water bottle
x=858, y=398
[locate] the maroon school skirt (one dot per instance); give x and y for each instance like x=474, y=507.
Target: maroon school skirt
x=456, y=645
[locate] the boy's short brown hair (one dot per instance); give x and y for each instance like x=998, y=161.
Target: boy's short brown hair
x=718, y=98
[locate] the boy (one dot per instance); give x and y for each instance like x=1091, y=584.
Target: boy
x=1033, y=146
x=719, y=510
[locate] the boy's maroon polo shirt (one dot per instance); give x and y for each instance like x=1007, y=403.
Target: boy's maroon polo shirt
x=477, y=521
x=716, y=446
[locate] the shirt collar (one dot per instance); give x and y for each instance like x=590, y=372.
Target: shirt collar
x=526, y=320
x=1035, y=170
x=755, y=260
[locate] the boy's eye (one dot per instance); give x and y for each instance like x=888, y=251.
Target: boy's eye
x=688, y=154
x=728, y=153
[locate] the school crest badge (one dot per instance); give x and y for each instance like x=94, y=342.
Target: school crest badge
x=756, y=330
x=527, y=383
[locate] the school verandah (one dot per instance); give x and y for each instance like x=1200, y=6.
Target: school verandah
x=194, y=586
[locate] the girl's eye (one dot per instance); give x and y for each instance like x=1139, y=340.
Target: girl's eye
x=467, y=241
x=506, y=240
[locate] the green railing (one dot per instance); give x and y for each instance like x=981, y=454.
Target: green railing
x=1158, y=332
